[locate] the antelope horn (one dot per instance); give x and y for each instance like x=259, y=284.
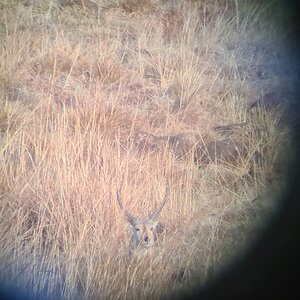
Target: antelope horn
x=157, y=212
x=131, y=219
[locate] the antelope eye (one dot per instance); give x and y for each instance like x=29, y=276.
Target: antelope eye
x=151, y=228
x=137, y=229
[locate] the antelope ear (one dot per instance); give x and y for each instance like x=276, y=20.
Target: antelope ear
x=154, y=225
x=133, y=221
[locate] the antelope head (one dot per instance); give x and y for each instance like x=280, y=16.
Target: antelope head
x=143, y=233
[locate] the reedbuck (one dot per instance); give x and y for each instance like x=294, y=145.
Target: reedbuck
x=143, y=233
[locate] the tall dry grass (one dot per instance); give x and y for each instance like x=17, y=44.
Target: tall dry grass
x=80, y=86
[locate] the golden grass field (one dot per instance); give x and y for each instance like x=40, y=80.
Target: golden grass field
x=90, y=94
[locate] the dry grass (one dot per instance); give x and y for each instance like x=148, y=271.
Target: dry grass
x=80, y=85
